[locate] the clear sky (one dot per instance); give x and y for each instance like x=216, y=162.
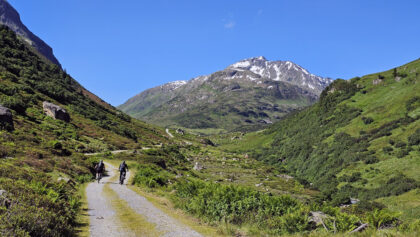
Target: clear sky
x=117, y=49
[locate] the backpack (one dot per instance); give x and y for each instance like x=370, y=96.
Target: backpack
x=100, y=166
x=122, y=167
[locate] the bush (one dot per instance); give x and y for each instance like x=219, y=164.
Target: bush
x=56, y=145
x=387, y=149
x=396, y=185
x=151, y=176
x=380, y=218
x=38, y=208
x=371, y=160
x=367, y=120
x=414, y=139
x=402, y=153
x=400, y=144
x=84, y=178
x=238, y=205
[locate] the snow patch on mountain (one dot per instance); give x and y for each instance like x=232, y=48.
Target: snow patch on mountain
x=259, y=68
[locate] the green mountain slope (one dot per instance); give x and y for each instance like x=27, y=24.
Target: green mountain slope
x=361, y=140
x=35, y=150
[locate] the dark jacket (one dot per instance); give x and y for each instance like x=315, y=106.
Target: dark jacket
x=100, y=167
x=123, y=167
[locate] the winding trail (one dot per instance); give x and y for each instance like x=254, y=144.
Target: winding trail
x=169, y=133
x=103, y=220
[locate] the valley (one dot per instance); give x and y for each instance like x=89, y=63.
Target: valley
x=260, y=148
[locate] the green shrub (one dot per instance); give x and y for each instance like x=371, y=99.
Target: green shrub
x=37, y=209
x=371, y=160
x=400, y=144
x=402, y=153
x=54, y=144
x=84, y=178
x=387, y=149
x=238, y=205
x=382, y=218
x=367, y=120
x=414, y=139
x=151, y=176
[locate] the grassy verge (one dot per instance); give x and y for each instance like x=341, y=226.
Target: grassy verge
x=82, y=220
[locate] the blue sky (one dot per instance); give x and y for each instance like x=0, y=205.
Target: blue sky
x=117, y=49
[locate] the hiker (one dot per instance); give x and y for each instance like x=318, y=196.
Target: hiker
x=123, y=170
x=99, y=168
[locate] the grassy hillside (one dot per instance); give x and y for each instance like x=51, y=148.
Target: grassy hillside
x=37, y=150
x=361, y=140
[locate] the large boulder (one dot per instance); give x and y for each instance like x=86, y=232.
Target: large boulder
x=55, y=111
x=6, y=119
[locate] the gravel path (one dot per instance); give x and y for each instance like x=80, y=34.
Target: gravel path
x=102, y=216
x=99, y=207
x=169, y=133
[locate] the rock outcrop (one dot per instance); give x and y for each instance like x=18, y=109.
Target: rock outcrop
x=6, y=119
x=55, y=111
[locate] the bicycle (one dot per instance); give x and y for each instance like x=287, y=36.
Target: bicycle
x=99, y=176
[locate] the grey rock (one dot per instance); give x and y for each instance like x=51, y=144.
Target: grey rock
x=354, y=200
x=64, y=179
x=198, y=166
x=55, y=111
x=285, y=176
x=265, y=121
x=6, y=119
x=11, y=18
x=377, y=81
x=180, y=131
x=317, y=217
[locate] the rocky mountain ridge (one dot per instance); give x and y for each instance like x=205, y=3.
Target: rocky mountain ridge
x=250, y=92
x=11, y=18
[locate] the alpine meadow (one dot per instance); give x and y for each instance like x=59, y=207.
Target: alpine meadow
x=216, y=141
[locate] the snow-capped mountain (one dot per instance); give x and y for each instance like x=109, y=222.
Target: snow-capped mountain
x=247, y=93
x=281, y=71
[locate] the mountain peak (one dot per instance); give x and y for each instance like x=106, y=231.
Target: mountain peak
x=11, y=18
x=286, y=71
x=245, y=63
